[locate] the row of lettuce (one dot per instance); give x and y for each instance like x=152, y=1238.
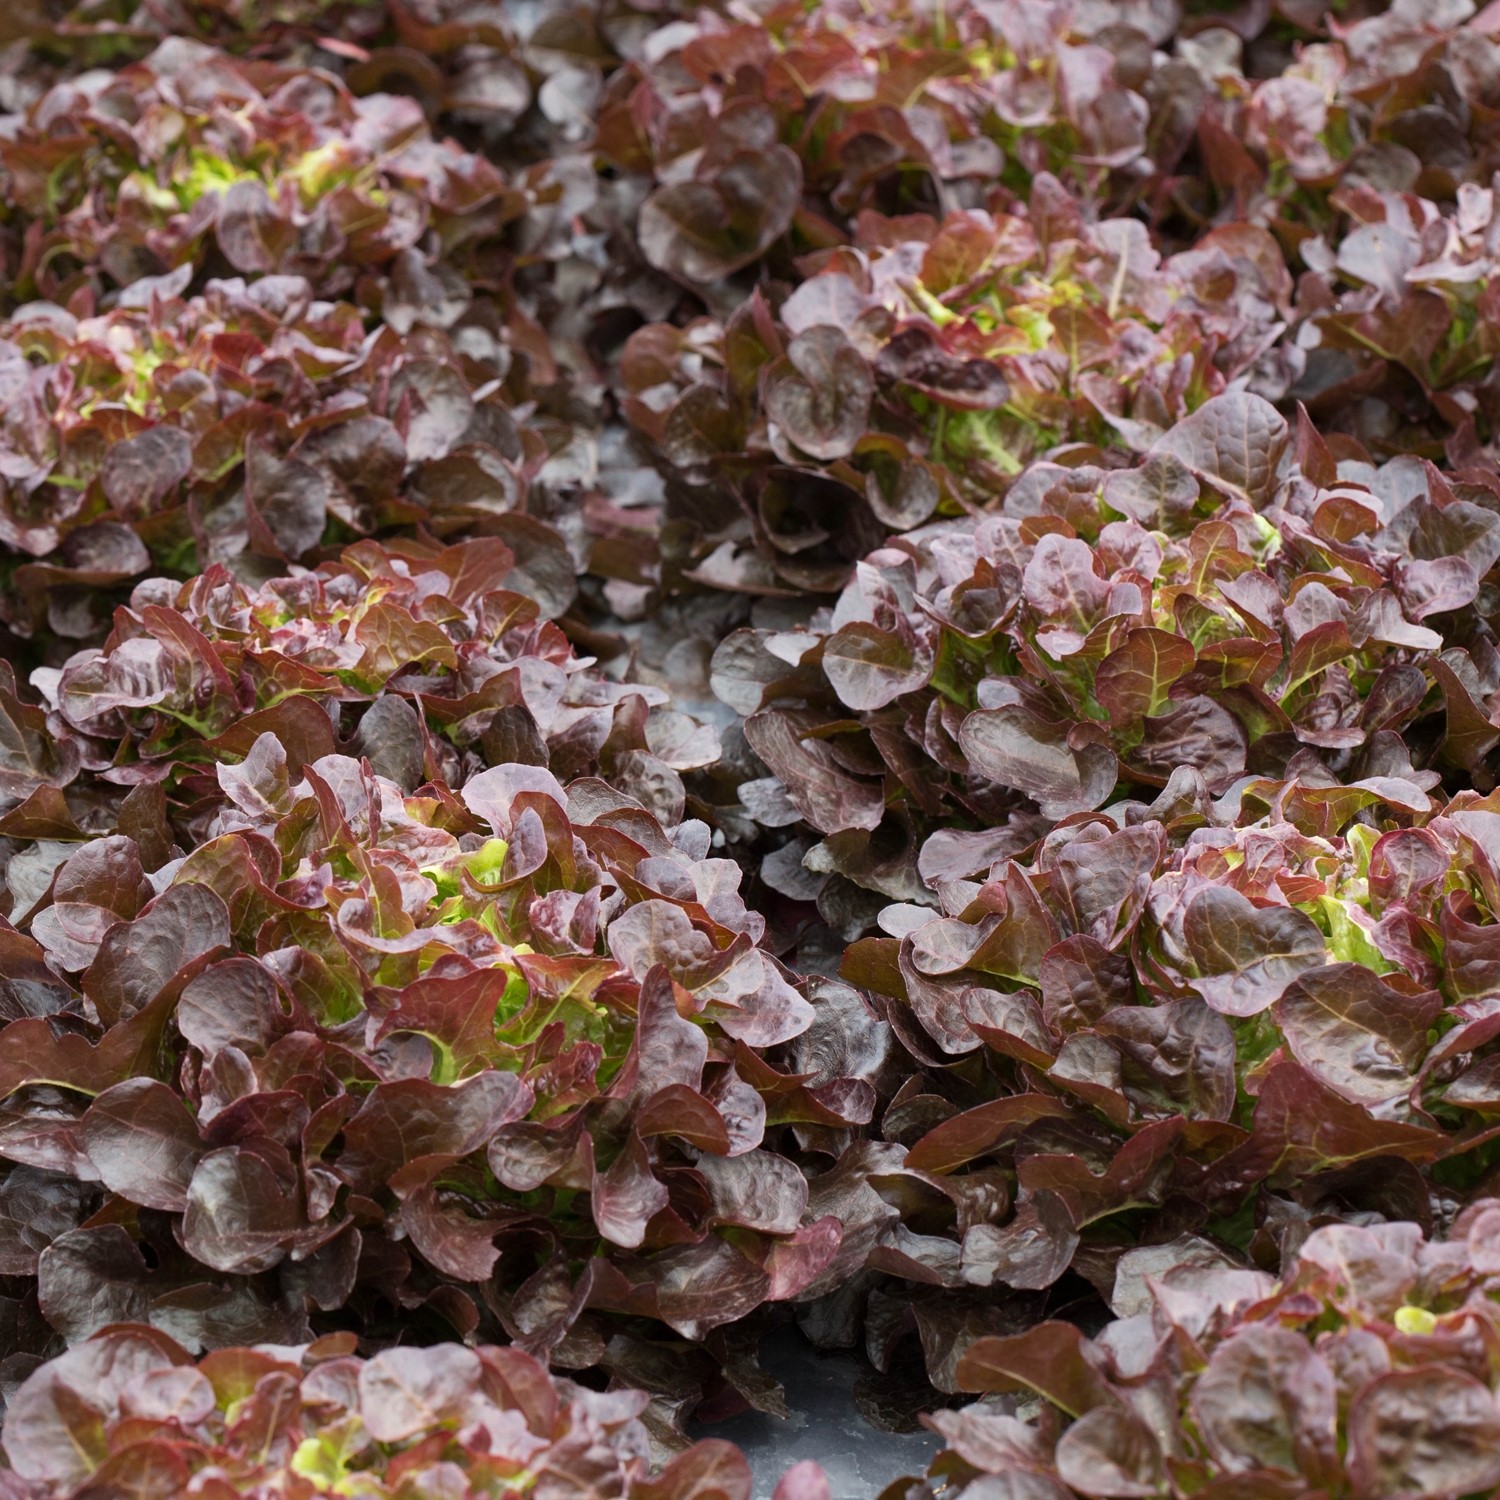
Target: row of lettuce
x=683, y=670
x=870, y=264
x=1364, y=1370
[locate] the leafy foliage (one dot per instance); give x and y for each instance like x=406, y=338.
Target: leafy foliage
x=1356, y=1373
x=672, y=669
x=1237, y=604
x=428, y=661
x=926, y=364
x=251, y=418
x=130, y=1408
x=363, y=1047
x=270, y=169
x=195, y=671
x=1179, y=1005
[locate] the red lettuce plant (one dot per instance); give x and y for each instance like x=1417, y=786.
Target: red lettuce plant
x=130, y=1411
x=923, y=367
x=251, y=418
x=191, y=673
x=191, y=157
x=1280, y=998
x=1236, y=604
x=1399, y=324
x=1402, y=100
x=530, y=88
x=780, y=132
x=1364, y=1370
x=494, y=1054
x=429, y=661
